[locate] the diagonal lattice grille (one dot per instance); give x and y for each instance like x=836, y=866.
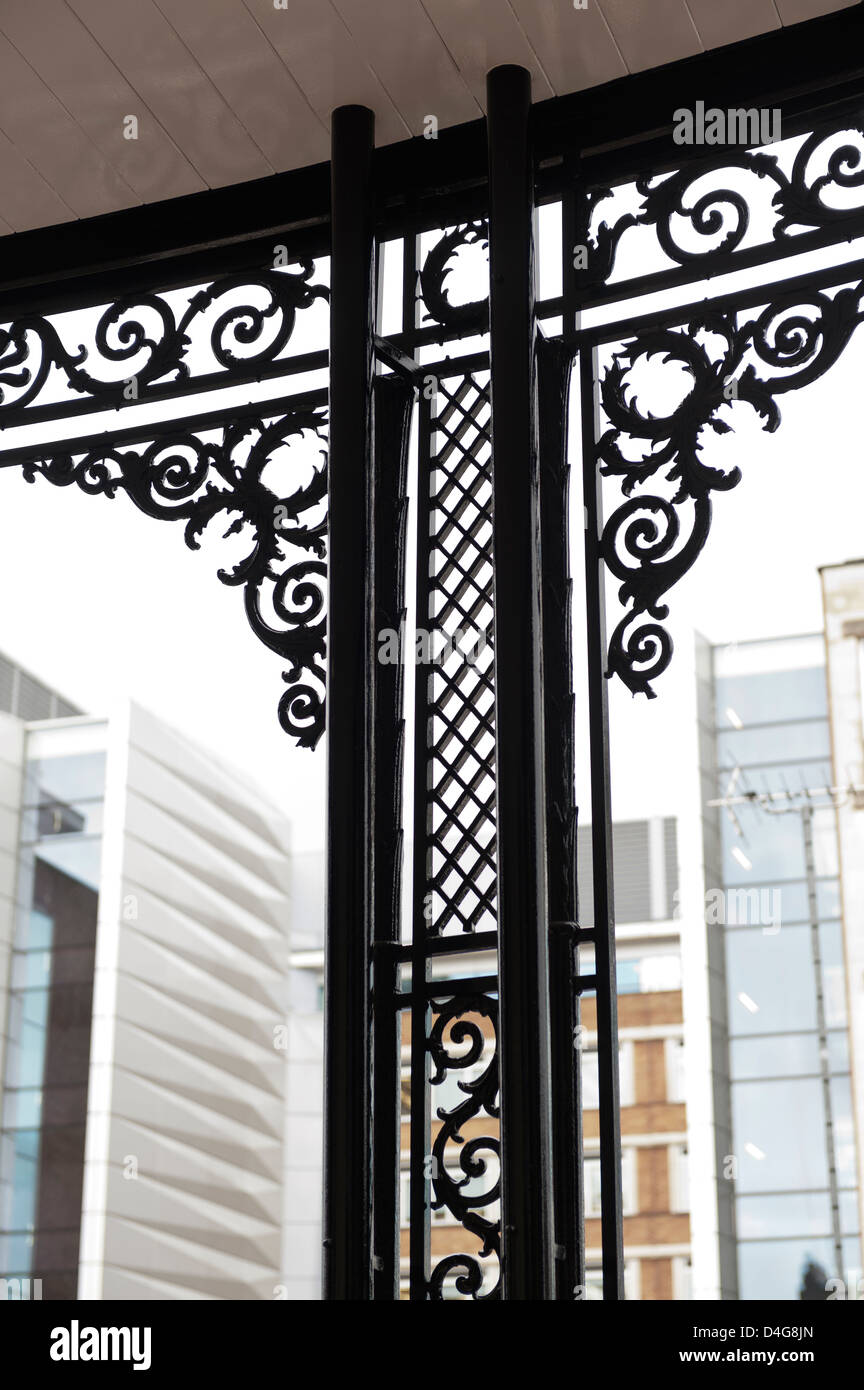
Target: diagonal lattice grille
x=460, y=694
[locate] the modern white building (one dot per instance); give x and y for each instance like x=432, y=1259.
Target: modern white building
x=144, y=905
x=843, y=598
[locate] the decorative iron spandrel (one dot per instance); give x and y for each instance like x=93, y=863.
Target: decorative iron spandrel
x=735, y=358
x=215, y=475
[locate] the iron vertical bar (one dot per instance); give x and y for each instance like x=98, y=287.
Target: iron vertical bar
x=394, y=399
x=420, y=1123
x=601, y=846
x=554, y=366
x=409, y=283
x=527, y=1226
x=824, y=1065
x=347, y=1156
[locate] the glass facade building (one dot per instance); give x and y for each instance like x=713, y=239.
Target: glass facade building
x=49, y=1019
x=772, y=734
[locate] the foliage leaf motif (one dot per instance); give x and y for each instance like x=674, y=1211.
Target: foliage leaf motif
x=31, y=345
x=719, y=215
x=177, y=476
x=458, y=1022
x=435, y=270
x=653, y=538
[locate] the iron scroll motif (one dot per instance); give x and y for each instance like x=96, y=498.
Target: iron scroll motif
x=468, y=1196
x=472, y=316
x=32, y=350
x=653, y=538
x=175, y=475
x=697, y=198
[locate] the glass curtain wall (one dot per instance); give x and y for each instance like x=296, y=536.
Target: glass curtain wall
x=773, y=736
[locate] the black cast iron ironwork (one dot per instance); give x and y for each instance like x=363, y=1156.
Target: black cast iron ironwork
x=455, y=846
x=455, y=1011
x=213, y=471
x=394, y=400
x=554, y=364
x=350, y=764
x=519, y=750
x=145, y=347
x=735, y=358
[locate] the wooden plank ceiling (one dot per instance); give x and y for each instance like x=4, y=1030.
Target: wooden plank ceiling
x=229, y=90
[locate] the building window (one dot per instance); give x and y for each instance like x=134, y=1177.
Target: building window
x=440, y=1216
x=682, y=1279
x=591, y=1168
x=649, y=974
x=675, y=1070
x=591, y=1081
x=450, y=1093
x=491, y=1274
x=679, y=1182
x=594, y=1281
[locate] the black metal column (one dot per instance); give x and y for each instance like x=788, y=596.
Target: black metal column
x=347, y=1061
x=554, y=361
x=524, y=1042
x=601, y=845
x=394, y=401
x=420, y=1122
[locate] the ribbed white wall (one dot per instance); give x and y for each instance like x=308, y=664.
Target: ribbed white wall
x=187, y=1085
x=304, y=1134
x=11, y=763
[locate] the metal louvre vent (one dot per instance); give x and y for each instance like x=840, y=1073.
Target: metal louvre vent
x=27, y=698
x=7, y=685
x=670, y=851
x=34, y=699
x=645, y=860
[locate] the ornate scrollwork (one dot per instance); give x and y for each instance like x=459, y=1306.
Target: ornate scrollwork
x=176, y=475
x=435, y=270
x=155, y=342
x=773, y=202
x=459, y=1022
x=652, y=539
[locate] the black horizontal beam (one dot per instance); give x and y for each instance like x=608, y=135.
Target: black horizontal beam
x=108, y=438
x=623, y=125
x=730, y=301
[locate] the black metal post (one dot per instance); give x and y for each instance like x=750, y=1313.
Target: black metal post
x=421, y=1122
x=394, y=401
x=554, y=361
x=601, y=847
x=347, y=1063
x=521, y=806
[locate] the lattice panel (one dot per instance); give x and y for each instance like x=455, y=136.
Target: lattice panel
x=460, y=694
